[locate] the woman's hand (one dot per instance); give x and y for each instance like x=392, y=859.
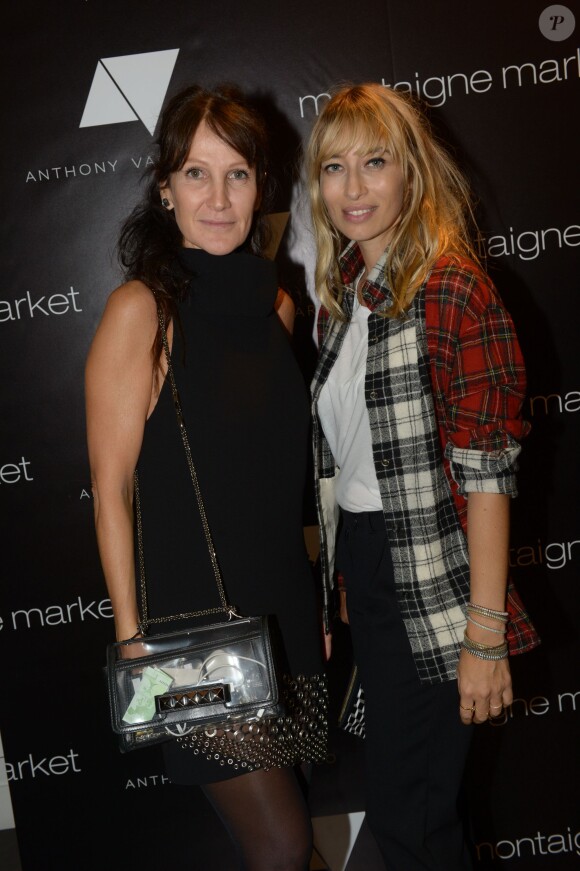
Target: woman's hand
x=485, y=688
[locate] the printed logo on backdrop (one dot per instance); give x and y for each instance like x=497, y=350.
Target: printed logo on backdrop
x=531, y=845
x=39, y=306
x=554, y=403
x=557, y=23
x=15, y=473
x=436, y=90
x=33, y=767
x=59, y=614
x=530, y=244
x=555, y=555
x=564, y=703
x=146, y=781
x=129, y=88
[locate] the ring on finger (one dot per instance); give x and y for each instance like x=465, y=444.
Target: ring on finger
x=471, y=709
x=495, y=707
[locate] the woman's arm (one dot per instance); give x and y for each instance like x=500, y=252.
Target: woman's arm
x=486, y=684
x=120, y=392
x=479, y=384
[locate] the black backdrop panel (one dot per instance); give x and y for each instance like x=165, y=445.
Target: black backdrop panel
x=504, y=94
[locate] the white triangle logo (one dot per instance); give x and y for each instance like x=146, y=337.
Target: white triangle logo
x=129, y=88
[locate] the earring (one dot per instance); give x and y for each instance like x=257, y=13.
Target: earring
x=165, y=202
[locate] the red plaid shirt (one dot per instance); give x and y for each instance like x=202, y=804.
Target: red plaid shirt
x=477, y=377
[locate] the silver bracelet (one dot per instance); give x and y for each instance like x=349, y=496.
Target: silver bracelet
x=489, y=628
x=488, y=612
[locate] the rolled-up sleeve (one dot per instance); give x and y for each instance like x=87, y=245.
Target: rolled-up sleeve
x=484, y=471
x=484, y=398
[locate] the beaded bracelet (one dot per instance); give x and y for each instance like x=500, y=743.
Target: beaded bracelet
x=489, y=628
x=488, y=612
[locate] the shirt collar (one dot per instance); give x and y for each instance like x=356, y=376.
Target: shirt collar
x=375, y=291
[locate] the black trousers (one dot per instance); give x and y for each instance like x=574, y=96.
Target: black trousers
x=416, y=745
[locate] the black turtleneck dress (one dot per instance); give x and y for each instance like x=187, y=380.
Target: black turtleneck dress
x=246, y=412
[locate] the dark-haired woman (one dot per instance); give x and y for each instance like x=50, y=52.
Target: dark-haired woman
x=192, y=249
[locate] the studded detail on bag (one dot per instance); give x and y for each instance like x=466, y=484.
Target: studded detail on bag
x=195, y=697
x=298, y=736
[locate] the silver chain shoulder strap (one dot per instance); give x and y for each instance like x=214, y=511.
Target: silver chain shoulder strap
x=226, y=608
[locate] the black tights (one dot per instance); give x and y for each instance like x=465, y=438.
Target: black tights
x=266, y=815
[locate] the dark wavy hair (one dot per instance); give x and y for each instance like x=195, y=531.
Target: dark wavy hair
x=150, y=238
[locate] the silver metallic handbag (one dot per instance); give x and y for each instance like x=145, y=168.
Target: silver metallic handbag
x=209, y=678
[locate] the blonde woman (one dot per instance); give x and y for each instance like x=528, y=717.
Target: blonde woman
x=417, y=397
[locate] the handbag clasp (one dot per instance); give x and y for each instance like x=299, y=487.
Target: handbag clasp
x=193, y=697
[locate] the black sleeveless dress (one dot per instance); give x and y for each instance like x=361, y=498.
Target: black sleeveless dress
x=245, y=405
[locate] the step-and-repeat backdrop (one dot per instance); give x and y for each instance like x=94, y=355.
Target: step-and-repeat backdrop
x=84, y=84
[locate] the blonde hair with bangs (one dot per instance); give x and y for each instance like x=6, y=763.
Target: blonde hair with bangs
x=436, y=214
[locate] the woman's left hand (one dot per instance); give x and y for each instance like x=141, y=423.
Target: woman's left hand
x=485, y=688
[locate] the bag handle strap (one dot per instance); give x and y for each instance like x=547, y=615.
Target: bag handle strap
x=229, y=610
